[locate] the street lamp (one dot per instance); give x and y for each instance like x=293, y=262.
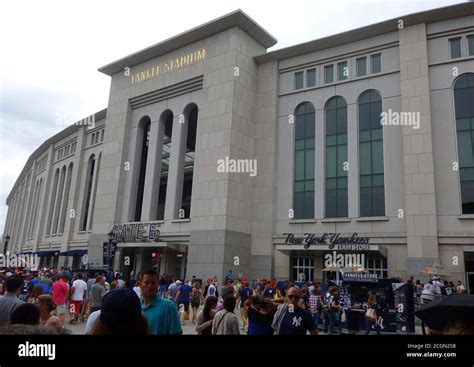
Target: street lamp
x=110, y=247
x=5, y=245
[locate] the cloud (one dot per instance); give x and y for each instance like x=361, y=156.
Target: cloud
x=55, y=47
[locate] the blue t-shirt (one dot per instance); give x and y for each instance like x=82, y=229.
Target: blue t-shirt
x=185, y=292
x=244, y=293
x=162, y=316
x=297, y=322
x=46, y=288
x=34, y=281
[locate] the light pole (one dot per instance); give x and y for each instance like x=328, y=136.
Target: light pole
x=5, y=245
x=110, y=247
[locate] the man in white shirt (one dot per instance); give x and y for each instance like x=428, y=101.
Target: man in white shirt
x=77, y=298
x=437, y=284
x=428, y=293
x=460, y=288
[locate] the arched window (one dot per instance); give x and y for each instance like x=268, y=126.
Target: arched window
x=59, y=198
x=87, y=192
x=191, y=116
x=52, y=201
x=303, y=195
x=144, y=138
x=464, y=110
x=336, y=158
x=64, y=202
x=39, y=186
x=167, y=125
x=371, y=168
x=33, y=210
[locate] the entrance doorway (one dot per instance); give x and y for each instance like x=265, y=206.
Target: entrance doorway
x=469, y=266
x=470, y=283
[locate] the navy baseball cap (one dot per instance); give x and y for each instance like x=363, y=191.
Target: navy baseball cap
x=120, y=309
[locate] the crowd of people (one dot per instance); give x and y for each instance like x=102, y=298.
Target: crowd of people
x=426, y=293
x=35, y=302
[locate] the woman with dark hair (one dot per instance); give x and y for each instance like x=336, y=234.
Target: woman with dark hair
x=46, y=306
x=226, y=322
x=121, y=314
x=206, y=316
x=260, y=313
x=26, y=314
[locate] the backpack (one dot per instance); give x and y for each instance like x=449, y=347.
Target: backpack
x=327, y=303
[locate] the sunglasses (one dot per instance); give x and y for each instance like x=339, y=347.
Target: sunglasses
x=293, y=297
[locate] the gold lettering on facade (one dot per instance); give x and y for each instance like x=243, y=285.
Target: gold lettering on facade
x=169, y=66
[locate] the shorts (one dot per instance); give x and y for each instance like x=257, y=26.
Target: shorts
x=75, y=307
x=181, y=304
x=60, y=310
x=195, y=304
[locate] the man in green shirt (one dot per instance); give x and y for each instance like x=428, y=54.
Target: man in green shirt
x=162, y=314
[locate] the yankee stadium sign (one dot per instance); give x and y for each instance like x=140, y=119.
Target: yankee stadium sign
x=333, y=240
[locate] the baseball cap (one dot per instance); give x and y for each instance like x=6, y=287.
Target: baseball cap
x=121, y=309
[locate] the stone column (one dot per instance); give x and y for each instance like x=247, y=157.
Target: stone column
x=153, y=171
x=175, y=173
x=420, y=199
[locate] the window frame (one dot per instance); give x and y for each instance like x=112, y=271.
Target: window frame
x=308, y=72
x=343, y=64
x=296, y=75
x=303, y=184
x=470, y=42
x=358, y=74
x=329, y=67
x=375, y=138
x=451, y=42
x=464, y=169
x=372, y=57
x=339, y=141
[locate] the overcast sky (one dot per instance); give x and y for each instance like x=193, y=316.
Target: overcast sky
x=50, y=52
